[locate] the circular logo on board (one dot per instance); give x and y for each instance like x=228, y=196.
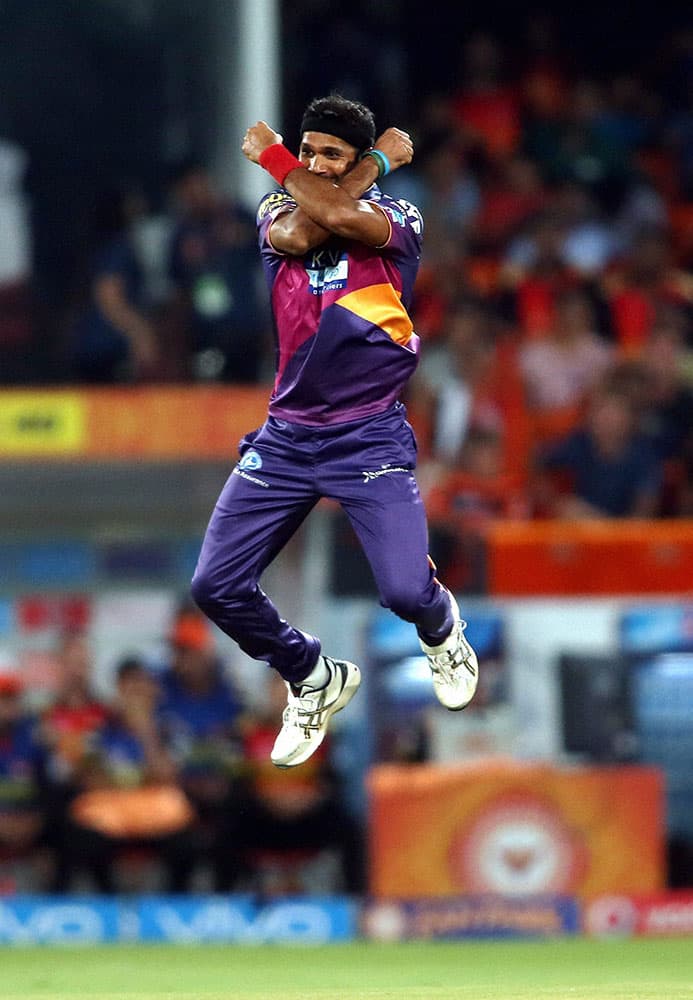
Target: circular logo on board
x=251, y=461
x=516, y=846
x=385, y=922
x=611, y=916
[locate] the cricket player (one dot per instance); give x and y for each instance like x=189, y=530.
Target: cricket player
x=340, y=259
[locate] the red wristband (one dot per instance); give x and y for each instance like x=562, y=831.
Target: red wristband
x=278, y=161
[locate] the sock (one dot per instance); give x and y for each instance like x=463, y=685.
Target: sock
x=318, y=678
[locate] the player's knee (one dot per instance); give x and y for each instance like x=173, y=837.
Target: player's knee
x=200, y=590
x=217, y=597
x=206, y=593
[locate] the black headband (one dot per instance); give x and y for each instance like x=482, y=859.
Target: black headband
x=360, y=136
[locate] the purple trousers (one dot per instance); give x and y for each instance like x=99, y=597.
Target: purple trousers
x=285, y=469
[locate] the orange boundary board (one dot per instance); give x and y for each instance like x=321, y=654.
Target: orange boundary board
x=592, y=557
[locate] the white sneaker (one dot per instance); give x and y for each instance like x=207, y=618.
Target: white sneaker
x=454, y=665
x=308, y=713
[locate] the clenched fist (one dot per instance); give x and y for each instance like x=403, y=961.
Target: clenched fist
x=397, y=146
x=257, y=139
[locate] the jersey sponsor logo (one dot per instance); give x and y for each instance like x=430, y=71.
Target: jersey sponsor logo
x=396, y=216
x=251, y=479
x=274, y=201
x=413, y=215
x=251, y=460
x=369, y=475
x=327, y=270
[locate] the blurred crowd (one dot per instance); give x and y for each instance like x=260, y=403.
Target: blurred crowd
x=166, y=785
x=554, y=301
x=555, y=298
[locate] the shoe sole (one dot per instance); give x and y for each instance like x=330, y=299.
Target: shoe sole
x=458, y=708
x=351, y=686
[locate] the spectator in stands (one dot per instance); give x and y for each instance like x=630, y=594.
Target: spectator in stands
x=533, y=273
x=127, y=794
x=445, y=189
x=112, y=338
x=465, y=501
x=641, y=284
x=604, y=468
x=485, y=108
x=560, y=369
x=629, y=115
x=578, y=147
x=545, y=66
x=66, y=735
x=590, y=242
x=512, y=195
x=199, y=712
x=659, y=383
x=454, y=384
x=441, y=185
x=215, y=273
x=643, y=208
x=448, y=274
x=21, y=816
x=668, y=394
x=283, y=819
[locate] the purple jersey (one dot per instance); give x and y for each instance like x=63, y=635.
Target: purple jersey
x=346, y=344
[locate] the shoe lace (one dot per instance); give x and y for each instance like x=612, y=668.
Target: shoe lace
x=448, y=662
x=304, y=711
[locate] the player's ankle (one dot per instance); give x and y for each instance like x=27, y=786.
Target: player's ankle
x=318, y=678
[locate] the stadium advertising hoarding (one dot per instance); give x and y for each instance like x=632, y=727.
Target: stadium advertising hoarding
x=658, y=915
x=180, y=920
x=514, y=829
x=32, y=920
x=44, y=920
x=471, y=917
x=182, y=422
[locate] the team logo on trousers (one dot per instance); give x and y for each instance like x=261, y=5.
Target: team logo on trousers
x=385, y=470
x=251, y=461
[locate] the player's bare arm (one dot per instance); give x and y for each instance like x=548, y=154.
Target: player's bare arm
x=328, y=191
x=295, y=233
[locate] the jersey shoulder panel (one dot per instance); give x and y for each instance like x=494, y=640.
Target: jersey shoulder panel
x=272, y=205
x=406, y=224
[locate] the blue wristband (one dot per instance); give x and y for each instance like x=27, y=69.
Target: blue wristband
x=381, y=159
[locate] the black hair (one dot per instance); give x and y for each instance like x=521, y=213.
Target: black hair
x=128, y=666
x=336, y=115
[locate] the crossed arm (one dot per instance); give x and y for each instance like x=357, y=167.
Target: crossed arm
x=331, y=206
